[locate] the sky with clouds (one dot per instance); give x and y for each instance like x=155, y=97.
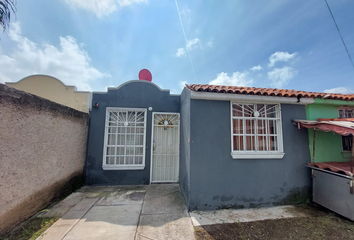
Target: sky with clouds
x=95, y=44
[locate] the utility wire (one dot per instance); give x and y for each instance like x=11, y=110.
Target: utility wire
x=340, y=34
x=185, y=38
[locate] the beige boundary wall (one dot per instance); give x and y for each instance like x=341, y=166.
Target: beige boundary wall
x=55, y=90
x=42, y=153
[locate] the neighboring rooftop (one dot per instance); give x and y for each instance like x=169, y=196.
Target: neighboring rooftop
x=267, y=92
x=53, y=89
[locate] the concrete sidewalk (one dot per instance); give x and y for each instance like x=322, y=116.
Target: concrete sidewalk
x=203, y=218
x=124, y=212
x=164, y=214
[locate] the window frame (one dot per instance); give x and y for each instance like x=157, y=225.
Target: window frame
x=252, y=154
x=345, y=108
x=342, y=137
x=125, y=166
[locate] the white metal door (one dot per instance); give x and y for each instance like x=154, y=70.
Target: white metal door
x=165, y=147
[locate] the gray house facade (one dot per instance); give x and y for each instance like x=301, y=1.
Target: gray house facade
x=120, y=132
x=226, y=148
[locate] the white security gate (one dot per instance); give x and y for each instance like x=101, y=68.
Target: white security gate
x=165, y=147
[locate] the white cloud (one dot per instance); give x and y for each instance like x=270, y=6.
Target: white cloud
x=210, y=43
x=101, y=7
x=124, y=3
x=256, y=68
x=281, y=76
x=68, y=62
x=186, y=14
x=180, y=52
x=182, y=84
x=237, y=79
x=193, y=44
x=342, y=90
x=280, y=57
x=110, y=86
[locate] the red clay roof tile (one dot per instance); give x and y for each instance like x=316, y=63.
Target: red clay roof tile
x=337, y=167
x=267, y=92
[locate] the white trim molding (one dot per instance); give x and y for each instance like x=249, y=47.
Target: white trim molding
x=257, y=155
x=249, y=98
x=123, y=167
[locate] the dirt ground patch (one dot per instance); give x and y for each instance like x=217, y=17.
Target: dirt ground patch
x=320, y=224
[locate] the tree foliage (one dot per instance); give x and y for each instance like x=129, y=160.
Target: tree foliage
x=6, y=7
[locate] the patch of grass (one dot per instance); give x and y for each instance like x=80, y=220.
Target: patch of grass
x=31, y=229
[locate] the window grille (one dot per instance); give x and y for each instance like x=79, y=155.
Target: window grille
x=256, y=128
x=125, y=132
x=347, y=141
x=346, y=112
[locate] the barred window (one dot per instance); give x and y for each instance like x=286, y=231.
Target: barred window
x=347, y=141
x=346, y=112
x=125, y=133
x=256, y=130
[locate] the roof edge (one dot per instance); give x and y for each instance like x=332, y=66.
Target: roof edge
x=54, y=78
x=268, y=92
x=250, y=98
x=140, y=81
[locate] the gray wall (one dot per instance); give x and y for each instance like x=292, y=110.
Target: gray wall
x=218, y=181
x=184, y=157
x=134, y=94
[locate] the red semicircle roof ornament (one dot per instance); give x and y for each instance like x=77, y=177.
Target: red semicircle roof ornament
x=145, y=74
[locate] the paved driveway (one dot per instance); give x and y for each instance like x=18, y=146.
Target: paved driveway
x=125, y=212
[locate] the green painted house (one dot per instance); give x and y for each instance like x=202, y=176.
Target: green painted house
x=332, y=167
x=330, y=146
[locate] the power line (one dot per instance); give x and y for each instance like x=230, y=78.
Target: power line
x=340, y=34
x=185, y=38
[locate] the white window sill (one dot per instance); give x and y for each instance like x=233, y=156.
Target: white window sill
x=257, y=155
x=119, y=167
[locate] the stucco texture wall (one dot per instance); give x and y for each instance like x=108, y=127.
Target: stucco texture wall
x=184, y=157
x=42, y=153
x=219, y=181
x=53, y=89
